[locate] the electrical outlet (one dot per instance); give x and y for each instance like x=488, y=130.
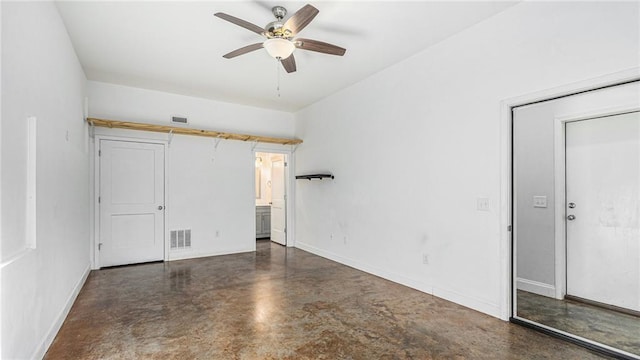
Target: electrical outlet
x=483, y=204
x=425, y=259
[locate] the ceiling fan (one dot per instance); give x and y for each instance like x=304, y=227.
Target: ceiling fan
x=280, y=42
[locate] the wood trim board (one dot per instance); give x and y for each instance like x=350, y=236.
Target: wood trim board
x=190, y=131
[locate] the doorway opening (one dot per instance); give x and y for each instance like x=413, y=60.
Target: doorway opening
x=271, y=189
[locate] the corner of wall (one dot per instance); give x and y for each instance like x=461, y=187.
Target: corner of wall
x=41, y=350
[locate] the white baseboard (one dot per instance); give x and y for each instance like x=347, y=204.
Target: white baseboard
x=446, y=294
x=412, y=283
x=536, y=287
x=57, y=324
x=474, y=303
x=179, y=255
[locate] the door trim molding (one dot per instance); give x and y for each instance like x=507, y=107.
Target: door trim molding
x=95, y=259
x=507, y=261
x=289, y=186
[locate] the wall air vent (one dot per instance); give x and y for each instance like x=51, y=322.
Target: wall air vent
x=179, y=119
x=180, y=239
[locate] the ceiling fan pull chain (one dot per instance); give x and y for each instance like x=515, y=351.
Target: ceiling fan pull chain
x=278, y=75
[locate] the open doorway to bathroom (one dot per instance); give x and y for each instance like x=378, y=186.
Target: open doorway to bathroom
x=271, y=194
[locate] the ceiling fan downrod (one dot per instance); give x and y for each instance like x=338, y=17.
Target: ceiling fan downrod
x=279, y=12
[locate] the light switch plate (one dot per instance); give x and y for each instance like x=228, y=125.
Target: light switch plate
x=540, y=201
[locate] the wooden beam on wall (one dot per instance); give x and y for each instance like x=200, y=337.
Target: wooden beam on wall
x=188, y=131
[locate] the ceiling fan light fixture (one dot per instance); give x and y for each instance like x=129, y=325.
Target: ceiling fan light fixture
x=279, y=48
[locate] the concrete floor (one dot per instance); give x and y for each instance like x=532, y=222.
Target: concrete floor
x=280, y=303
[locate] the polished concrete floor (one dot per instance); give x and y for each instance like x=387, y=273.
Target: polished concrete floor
x=280, y=303
x=609, y=327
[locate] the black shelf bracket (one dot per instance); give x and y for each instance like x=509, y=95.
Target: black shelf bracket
x=315, y=176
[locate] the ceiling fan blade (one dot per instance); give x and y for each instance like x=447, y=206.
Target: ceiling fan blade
x=243, y=50
x=319, y=46
x=289, y=64
x=245, y=24
x=301, y=18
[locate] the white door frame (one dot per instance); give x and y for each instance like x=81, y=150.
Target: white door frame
x=507, y=261
x=95, y=263
x=289, y=184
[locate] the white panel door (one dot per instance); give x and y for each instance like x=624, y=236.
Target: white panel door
x=278, y=203
x=603, y=180
x=131, y=202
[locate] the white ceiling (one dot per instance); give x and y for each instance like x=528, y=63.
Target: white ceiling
x=177, y=47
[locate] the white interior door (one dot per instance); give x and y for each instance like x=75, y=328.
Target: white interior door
x=278, y=200
x=603, y=180
x=131, y=202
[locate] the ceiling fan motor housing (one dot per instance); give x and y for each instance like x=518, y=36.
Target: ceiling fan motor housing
x=275, y=29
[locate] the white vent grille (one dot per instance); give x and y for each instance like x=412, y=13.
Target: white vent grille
x=179, y=119
x=180, y=239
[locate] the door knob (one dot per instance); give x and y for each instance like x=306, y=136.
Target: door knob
x=572, y=205
x=571, y=217
x=160, y=207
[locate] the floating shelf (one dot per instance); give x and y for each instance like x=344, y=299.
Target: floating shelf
x=315, y=176
x=189, y=131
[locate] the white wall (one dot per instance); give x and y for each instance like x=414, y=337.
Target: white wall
x=209, y=190
x=414, y=146
x=41, y=77
x=118, y=102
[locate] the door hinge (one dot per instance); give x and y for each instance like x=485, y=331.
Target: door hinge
x=99, y=152
x=286, y=163
x=99, y=246
x=508, y=227
x=99, y=199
